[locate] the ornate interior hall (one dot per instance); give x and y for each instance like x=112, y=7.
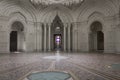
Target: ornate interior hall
x=68, y=39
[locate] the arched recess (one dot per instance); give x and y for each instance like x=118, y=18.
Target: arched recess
x=57, y=33
x=17, y=37
x=9, y=7
x=47, y=15
x=96, y=37
x=117, y=38
x=102, y=6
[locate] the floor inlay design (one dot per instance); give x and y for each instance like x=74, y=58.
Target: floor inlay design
x=81, y=66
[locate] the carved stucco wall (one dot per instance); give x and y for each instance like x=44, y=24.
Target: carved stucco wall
x=81, y=17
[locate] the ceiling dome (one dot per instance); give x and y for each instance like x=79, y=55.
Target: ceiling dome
x=49, y=2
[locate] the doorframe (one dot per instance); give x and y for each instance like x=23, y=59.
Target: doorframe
x=54, y=41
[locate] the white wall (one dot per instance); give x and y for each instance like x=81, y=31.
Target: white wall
x=105, y=11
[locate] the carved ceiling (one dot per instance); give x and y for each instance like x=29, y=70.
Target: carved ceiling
x=50, y=2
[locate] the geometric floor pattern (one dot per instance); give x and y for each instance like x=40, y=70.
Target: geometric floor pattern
x=82, y=66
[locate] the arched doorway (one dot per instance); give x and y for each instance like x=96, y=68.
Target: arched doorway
x=17, y=37
x=100, y=40
x=96, y=37
x=13, y=41
x=57, y=34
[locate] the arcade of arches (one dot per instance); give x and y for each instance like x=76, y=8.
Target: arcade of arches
x=92, y=25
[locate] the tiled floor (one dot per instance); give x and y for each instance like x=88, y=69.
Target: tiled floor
x=83, y=66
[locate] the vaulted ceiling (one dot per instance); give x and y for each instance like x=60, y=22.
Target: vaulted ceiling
x=72, y=13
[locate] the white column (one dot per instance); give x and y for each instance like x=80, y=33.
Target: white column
x=65, y=25
x=37, y=37
x=40, y=37
x=75, y=35
x=49, y=36
x=69, y=43
x=45, y=29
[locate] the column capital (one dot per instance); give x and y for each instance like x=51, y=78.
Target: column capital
x=49, y=24
x=45, y=24
x=75, y=23
x=69, y=25
x=65, y=24
x=41, y=24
